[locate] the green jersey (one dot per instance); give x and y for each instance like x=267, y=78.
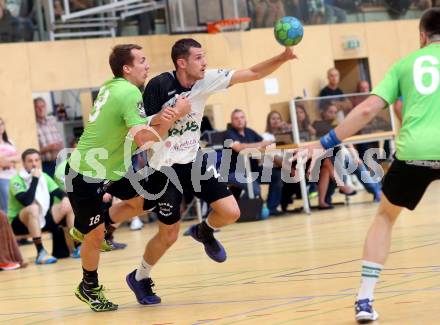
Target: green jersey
x=102, y=150
x=416, y=78
x=18, y=185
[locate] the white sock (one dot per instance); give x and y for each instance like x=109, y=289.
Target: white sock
x=143, y=271
x=209, y=225
x=370, y=276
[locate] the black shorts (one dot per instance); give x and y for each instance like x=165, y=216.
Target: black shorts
x=86, y=197
x=168, y=193
x=19, y=228
x=404, y=184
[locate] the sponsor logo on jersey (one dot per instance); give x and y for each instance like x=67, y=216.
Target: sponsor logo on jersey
x=225, y=72
x=190, y=126
x=140, y=107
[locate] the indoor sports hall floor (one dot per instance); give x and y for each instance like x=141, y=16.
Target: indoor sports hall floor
x=287, y=270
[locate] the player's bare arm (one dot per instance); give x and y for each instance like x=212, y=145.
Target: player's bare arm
x=264, y=68
x=360, y=116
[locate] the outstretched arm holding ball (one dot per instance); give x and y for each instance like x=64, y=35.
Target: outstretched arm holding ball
x=262, y=69
x=288, y=32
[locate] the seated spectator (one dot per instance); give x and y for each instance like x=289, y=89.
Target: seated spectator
x=322, y=127
x=305, y=128
x=31, y=206
x=298, y=9
x=275, y=125
x=8, y=25
x=20, y=10
x=267, y=12
x=316, y=11
x=246, y=138
x=7, y=171
x=10, y=256
x=333, y=13
x=327, y=122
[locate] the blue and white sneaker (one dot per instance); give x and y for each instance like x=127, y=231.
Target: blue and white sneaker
x=364, y=311
x=76, y=252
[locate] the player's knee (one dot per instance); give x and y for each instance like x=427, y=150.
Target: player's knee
x=169, y=237
x=235, y=213
x=96, y=236
x=32, y=210
x=232, y=213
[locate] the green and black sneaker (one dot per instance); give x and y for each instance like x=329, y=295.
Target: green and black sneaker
x=79, y=237
x=94, y=298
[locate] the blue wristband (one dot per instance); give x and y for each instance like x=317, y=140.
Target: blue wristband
x=329, y=140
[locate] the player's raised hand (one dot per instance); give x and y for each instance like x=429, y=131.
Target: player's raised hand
x=289, y=54
x=183, y=106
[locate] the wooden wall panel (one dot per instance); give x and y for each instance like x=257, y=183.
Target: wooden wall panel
x=408, y=35
x=16, y=105
x=383, y=48
x=58, y=65
x=315, y=54
x=340, y=33
x=97, y=54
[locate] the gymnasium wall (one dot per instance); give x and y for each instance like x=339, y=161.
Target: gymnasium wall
x=47, y=66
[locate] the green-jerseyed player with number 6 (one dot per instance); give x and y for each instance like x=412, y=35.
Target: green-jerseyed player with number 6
x=417, y=161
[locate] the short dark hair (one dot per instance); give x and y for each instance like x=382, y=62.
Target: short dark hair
x=28, y=152
x=430, y=22
x=181, y=49
x=121, y=55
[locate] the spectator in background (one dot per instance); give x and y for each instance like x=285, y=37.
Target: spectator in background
x=328, y=120
x=362, y=91
x=31, y=208
x=275, y=125
x=332, y=89
x=49, y=138
x=298, y=9
x=305, y=128
x=267, y=12
x=8, y=25
x=10, y=256
x=7, y=170
x=20, y=9
x=316, y=11
x=243, y=138
x=333, y=11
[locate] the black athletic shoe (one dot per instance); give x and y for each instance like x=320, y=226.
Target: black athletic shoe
x=94, y=298
x=143, y=289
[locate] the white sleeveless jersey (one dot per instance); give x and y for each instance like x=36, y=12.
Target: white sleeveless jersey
x=182, y=143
